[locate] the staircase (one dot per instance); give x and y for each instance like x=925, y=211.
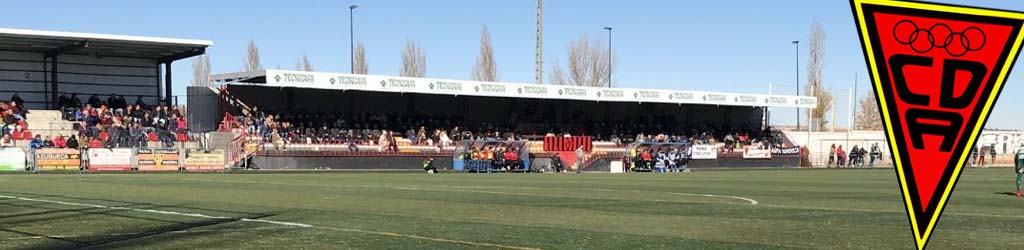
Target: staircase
x=49, y=123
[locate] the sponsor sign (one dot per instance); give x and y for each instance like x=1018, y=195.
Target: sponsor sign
x=686, y=97
x=58, y=159
x=452, y=87
x=358, y=82
x=567, y=144
x=157, y=159
x=533, y=91
x=786, y=151
x=756, y=153
x=703, y=152
x=573, y=92
x=110, y=159
x=204, y=160
x=747, y=100
x=490, y=88
x=12, y=159
x=398, y=84
x=646, y=95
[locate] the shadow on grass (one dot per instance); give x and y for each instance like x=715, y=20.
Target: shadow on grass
x=51, y=214
x=1007, y=193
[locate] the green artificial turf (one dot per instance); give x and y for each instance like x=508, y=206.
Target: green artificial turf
x=796, y=209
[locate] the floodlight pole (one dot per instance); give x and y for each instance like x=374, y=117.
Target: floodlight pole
x=351, y=37
x=609, y=29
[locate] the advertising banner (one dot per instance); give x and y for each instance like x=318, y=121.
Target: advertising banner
x=12, y=159
x=157, y=159
x=756, y=153
x=204, y=160
x=703, y=152
x=110, y=159
x=58, y=159
x=786, y=151
x=340, y=81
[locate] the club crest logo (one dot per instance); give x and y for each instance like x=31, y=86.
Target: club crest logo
x=937, y=70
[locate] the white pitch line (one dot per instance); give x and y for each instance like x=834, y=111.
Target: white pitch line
x=752, y=202
x=156, y=211
x=263, y=221
x=482, y=244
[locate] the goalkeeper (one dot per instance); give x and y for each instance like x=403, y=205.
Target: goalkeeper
x=428, y=165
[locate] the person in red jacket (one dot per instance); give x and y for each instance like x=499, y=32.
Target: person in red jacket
x=512, y=159
x=648, y=162
x=95, y=143
x=60, y=142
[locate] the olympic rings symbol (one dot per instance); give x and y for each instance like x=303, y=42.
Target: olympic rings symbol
x=939, y=36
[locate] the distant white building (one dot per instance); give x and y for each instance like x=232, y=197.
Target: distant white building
x=1004, y=141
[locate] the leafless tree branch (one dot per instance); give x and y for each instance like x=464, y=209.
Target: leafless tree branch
x=414, y=61
x=360, y=57
x=814, y=79
x=304, y=64
x=252, y=58
x=201, y=71
x=486, y=69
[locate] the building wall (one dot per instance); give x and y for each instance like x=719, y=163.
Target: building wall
x=1005, y=142
x=26, y=74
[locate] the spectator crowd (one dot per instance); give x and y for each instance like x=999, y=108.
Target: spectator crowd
x=116, y=123
x=444, y=130
x=14, y=114
x=99, y=123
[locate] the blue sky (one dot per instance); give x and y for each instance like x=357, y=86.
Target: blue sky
x=732, y=46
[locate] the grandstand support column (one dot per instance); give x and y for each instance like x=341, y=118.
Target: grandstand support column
x=53, y=82
x=46, y=82
x=167, y=82
x=52, y=54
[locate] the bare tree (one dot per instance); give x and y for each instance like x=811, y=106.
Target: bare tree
x=414, y=61
x=201, y=71
x=252, y=58
x=868, y=117
x=579, y=61
x=303, y=64
x=485, y=70
x=814, y=80
x=557, y=74
x=588, y=64
x=360, y=58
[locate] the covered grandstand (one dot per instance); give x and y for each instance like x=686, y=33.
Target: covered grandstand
x=84, y=98
x=39, y=66
x=323, y=108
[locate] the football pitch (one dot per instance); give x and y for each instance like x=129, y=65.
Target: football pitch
x=751, y=209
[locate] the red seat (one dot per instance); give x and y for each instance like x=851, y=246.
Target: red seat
x=26, y=134
x=152, y=137
x=17, y=136
x=104, y=136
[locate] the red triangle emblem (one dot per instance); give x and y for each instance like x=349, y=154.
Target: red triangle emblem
x=937, y=70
